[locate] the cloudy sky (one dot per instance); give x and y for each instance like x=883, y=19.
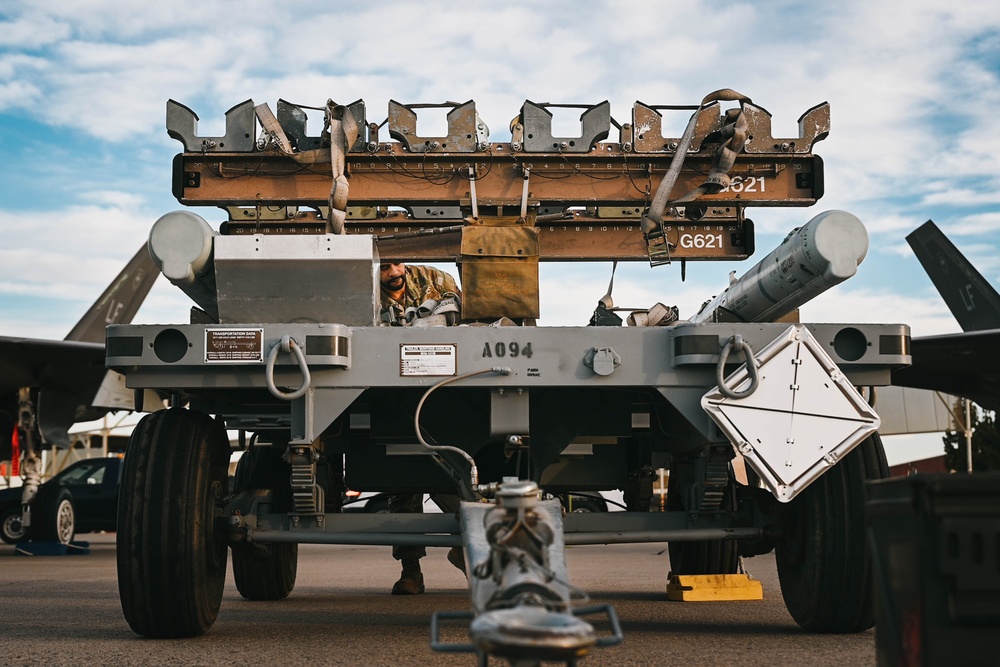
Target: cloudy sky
x=913, y=89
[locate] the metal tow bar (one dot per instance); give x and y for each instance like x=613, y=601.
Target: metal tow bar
x=522, y=602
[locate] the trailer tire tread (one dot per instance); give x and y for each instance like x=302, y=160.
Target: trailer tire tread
x=171, y=563
x=824, y=560
x=264, y=572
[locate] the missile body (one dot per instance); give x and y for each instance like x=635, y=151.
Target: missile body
x=824, y=252
x=181, y=245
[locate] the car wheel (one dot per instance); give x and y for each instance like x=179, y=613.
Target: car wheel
x=584, y=505
x=171, y=557
x=11, y=529
x=65, y=520
x=54, y=520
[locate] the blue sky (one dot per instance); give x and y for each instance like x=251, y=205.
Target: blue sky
x=913, y=88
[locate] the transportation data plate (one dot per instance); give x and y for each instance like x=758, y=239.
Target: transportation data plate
x=234, y=346
x=418, y=360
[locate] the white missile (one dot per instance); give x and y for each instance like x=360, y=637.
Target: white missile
x=824, y=252
x=181, y=245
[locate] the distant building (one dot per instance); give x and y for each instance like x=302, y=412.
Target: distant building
x=933, y=464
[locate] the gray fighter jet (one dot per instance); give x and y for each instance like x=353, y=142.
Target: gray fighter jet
x=965, y=364
x=66, y=376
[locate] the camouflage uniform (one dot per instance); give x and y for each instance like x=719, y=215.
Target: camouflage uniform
x=422, y=283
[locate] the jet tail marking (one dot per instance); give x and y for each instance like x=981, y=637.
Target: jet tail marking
x=120, y=301
x=973, y=302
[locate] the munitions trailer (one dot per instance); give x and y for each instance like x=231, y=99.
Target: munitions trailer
x=287, y=345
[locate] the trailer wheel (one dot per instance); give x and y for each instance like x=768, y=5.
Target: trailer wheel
x=264, y=571
x=703, y=556
x=823, y=558
x=171, y=560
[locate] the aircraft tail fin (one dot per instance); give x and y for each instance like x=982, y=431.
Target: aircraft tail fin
x=120, y=301
x=973, y=302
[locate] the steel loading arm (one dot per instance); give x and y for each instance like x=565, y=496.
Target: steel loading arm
x=583, y=195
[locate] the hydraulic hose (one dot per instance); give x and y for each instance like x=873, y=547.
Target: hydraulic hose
x=474, y=471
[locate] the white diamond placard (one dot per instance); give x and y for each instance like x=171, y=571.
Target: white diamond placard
x=803, y=417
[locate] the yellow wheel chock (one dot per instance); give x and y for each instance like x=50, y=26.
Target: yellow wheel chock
x=713, y=587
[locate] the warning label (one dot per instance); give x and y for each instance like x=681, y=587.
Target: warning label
x=228, y=346
x=427, y=359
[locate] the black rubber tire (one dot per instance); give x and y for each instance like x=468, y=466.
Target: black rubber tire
x=11, y=530
x=823, y=557
x=262, y=467
x=705, y=556
x=264, y=572
x=54, y=519
x=171, y=561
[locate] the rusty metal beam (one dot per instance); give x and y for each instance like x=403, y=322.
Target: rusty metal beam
x=579, y=237
x=391, y=176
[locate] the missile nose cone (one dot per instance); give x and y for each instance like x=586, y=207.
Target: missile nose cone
x=180, y=243
x=839, y=241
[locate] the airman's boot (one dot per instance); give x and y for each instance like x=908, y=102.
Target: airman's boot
x=456, y=556
x=411, y=581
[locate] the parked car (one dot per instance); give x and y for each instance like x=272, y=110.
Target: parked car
x=591, y=502
x=82, y=498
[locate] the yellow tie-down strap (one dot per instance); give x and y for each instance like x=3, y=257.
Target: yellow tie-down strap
x=706, y=587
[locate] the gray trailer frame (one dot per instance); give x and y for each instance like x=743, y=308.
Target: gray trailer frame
x=284, y=347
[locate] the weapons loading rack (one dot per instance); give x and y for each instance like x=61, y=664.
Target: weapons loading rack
x=588, y=407
x=585, y=197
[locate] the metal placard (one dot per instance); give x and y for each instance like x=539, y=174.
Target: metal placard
x=804, y=416
x=427, y=360
x=234, y=346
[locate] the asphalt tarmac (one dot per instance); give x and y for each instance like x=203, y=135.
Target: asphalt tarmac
x=64, y=610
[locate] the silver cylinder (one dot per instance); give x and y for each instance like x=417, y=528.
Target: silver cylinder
x=181, y=245
x=824, y=252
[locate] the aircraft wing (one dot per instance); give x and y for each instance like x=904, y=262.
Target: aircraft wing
x=68, y=374
x=965, y=364
x=32, y=362
x=906, y=410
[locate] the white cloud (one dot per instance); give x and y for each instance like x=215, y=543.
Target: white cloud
x=32, y=31
x=979, y=223
x=17, y=93
x=68, y=254
x=925, y=314
x=911, y=87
